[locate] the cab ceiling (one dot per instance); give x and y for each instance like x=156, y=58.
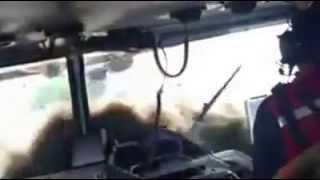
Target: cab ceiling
x=17, y=16
x=20, y=18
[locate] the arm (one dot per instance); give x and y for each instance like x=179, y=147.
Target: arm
x=268, y=146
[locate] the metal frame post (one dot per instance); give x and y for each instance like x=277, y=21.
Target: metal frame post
x=77, y=80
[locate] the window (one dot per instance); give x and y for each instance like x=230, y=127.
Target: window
x=211, y=63
x=29, y=93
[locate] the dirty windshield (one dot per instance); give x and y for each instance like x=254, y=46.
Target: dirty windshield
x=31, y=94
x=211, y=63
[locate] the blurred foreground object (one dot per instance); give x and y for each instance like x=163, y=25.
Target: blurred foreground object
x=303, y=5
x=305, y=166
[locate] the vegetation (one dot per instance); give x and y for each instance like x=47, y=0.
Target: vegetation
x=232, y=135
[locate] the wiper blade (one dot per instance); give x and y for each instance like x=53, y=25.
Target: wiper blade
x=207, y=106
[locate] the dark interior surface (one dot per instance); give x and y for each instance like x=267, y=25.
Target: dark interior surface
x=95, y=15
x=24, y=24
x=17, y=16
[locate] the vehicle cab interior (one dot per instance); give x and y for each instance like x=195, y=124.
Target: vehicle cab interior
x=88, y=91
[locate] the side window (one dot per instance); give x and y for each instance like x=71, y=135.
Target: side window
x=28, y=93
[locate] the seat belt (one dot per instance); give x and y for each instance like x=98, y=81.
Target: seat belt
x=284, y=107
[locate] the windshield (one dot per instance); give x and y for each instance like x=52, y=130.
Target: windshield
x=31, y=93
x=28, y=94
x=211, y=63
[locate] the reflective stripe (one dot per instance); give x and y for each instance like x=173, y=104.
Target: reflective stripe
x=282, y=122
x=299, y=113
x=302, y=112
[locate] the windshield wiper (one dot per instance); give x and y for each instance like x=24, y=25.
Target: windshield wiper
x=207, y=106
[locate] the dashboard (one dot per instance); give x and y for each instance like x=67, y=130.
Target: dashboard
x=207, y=166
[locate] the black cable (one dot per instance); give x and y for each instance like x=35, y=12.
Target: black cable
x=157, y=123
x=160, y=91
x=186, y=55
x=159, y=106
